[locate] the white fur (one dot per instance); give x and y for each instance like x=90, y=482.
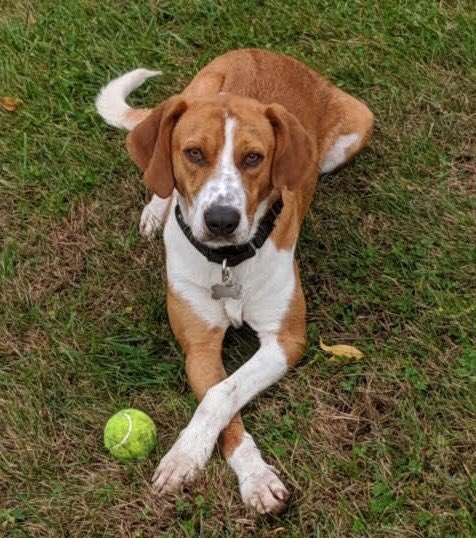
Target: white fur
x=111, y=101
x=266, y=294
x=222, y=401
x=260, y=488
x=225, y=188
x=337, y=155
x=153, y=216
x=265, y=301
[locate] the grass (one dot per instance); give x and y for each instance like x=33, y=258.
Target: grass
x=381, y=447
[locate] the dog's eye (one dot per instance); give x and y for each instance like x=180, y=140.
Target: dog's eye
x=195, y=155
x=252, y=159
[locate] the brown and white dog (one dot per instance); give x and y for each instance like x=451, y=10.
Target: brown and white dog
x=233, y=163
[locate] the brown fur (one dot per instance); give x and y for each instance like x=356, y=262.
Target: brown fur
x=289, y=153
x=149, y=145
x=202, y=346
x=292, y=333
x=136, y=115
x=286, y=112
x=292, y=115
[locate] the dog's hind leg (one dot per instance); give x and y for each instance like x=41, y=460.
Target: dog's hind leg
x=345, y=128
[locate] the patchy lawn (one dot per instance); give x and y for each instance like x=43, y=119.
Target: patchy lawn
x=381, y=447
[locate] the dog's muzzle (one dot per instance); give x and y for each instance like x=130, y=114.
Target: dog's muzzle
x=221, y=220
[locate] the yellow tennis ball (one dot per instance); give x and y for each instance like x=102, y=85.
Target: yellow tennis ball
x=130, y=434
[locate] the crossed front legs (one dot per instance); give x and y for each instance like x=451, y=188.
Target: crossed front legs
x=221, y=399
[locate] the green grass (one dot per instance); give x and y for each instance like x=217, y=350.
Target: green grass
x=382, y=447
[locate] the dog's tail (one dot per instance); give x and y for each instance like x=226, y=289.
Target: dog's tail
x=111, y=101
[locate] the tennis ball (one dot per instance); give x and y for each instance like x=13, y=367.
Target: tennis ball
x=130, y=434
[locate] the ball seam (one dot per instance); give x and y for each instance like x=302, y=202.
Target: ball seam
x=124, y=440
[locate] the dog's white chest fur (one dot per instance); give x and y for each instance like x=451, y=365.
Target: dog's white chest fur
x=234, y=311
x=267, y=282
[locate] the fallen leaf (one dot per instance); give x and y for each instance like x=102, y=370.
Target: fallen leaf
x=10, y=104
x=342, y=350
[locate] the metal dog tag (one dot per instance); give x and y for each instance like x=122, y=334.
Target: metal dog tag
x=226, y=290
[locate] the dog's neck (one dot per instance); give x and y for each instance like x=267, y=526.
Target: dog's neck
x=233, y=254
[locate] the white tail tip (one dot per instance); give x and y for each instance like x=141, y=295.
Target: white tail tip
x=111, y=101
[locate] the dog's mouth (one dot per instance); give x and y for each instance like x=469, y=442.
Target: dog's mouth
x=219, y=248
x=214, y=241
x=202, y=234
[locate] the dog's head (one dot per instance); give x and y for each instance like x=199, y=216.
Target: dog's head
x=225, y=155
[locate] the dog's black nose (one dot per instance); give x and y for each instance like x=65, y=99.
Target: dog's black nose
x=221, y=219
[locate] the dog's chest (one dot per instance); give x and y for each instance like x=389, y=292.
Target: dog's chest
x=230, y=292
x=260, y=291
x=234, y=311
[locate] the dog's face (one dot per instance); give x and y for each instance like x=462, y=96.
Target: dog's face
x=222, y=158
x=225, y=155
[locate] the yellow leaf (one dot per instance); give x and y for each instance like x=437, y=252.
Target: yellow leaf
x=10, y=104
x=128, y=309
x=342, y=350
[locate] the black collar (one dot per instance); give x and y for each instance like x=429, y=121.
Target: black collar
x=234, y=254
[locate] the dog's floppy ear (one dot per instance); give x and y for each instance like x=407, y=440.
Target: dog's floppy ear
x=149, y=145
x=294, y=153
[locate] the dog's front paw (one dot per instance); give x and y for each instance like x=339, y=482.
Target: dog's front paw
x=181, y=464
x=153, y=216
x=264, y=491
x=149, y=223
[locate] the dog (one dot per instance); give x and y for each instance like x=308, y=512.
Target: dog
x=233, y=163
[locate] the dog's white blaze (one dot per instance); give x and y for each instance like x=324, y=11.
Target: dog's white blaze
x=224, y=187
x=337, y=156
x=226, y=165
